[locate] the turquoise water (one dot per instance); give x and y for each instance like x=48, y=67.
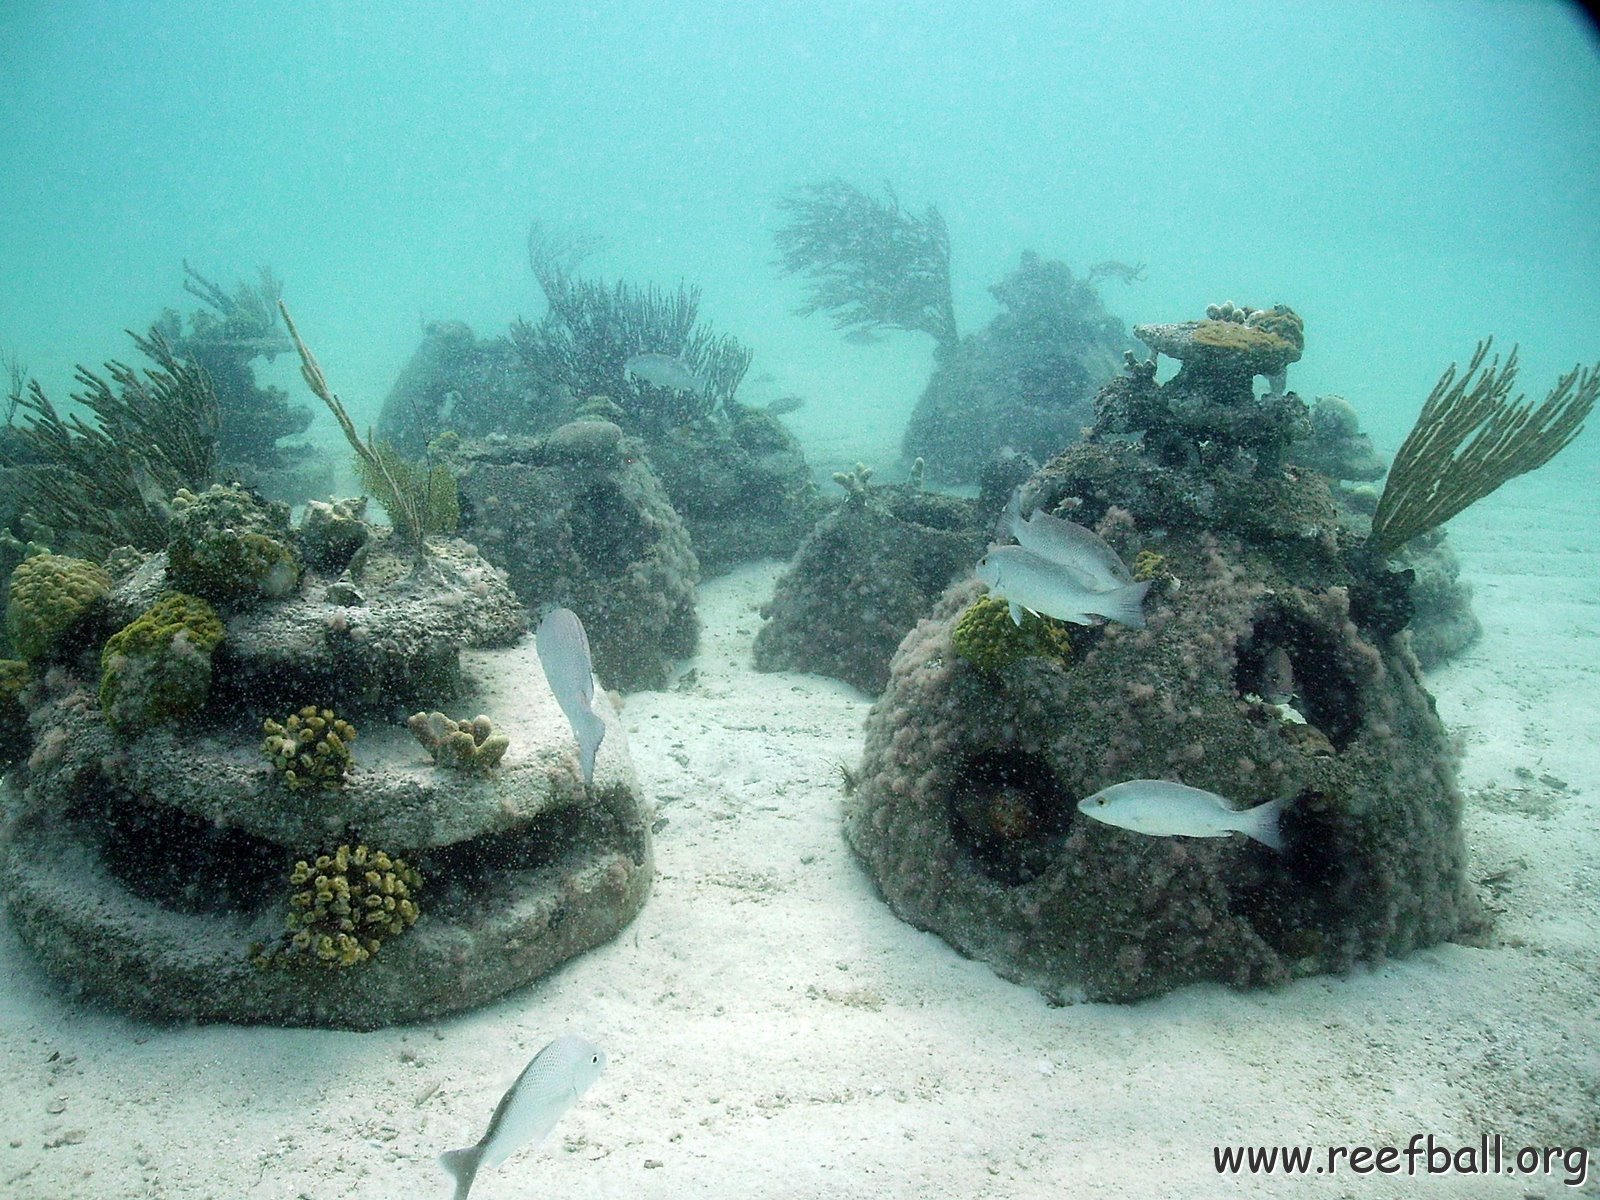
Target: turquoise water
x=1409, y=177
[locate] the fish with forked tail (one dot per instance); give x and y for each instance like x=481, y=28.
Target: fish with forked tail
x=549, y=1085
x=1161, y=808
x=564, y=654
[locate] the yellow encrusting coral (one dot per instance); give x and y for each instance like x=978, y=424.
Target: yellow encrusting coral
x=311, y=749
x=1229, y=335
x=343, y=906
x=50, y=593
x=1147, y=564
x=990, y=640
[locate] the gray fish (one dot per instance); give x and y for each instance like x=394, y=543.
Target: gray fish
x=1160, y=808
x=666, y=370
x=1076, y=547
x=548, y=1086
x=1029, y=581
x=564, y=654
x=784, y=405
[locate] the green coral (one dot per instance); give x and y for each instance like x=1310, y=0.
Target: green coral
x=343, y=905
x=50, y=594
x=228, y=547
x=1147, y=564
x=990, y=640
x=470, y=746
x=14, y=676
x=310, y=750
x=157, y=668
x=401, y=486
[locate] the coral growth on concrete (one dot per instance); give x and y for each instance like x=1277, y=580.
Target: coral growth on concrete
x=1271, y=667
x=231, y=548
x=50, y=595
x=158, y=667
x=309, y=750
x=863, y=577
x=145, y=856
x=459, y=745
x=578, y=519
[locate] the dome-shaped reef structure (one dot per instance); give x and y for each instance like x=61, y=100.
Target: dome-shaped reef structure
x=1272, y=665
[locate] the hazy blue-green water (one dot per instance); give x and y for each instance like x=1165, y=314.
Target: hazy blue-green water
x=1409, y=177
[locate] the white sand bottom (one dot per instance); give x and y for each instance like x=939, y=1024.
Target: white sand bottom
x=775, y=1032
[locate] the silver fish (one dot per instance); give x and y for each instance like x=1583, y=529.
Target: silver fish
x=1160, y=808
x=1076, y=547
x=548, y=1086
x=1028, y=581
x=564, y=654
x=668, y=371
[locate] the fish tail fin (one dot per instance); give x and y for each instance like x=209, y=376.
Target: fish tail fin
x=1262, y=823
x=463, y=1167
x=1006, y=526
x=1125, y=605
x=589, y=739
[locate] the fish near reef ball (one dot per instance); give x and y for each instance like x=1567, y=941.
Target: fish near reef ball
x=563, y=648
x=1029, y=581
x=1160, y=808
x=549, y=1085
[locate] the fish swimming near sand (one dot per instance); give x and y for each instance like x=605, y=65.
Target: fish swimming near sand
x=1160, y=808
x=668, y=371
x=1029, y=581
x=1076, y=547
x=564, y=654
x=549, y=1085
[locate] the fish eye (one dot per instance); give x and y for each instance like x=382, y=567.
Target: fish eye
x=594, y=1058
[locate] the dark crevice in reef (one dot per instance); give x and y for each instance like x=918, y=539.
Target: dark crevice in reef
x=1008, y=813
x=1288, y=660
x=482, y=867
x=180, y=862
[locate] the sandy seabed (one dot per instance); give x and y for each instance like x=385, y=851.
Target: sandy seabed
x=775, y=1032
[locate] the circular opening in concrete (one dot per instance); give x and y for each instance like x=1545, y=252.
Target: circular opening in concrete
x=1290, y=661
x=1008, y=813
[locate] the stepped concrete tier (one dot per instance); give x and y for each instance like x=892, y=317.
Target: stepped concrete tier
x=155, y=870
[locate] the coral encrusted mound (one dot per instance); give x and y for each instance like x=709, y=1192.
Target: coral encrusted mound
x=1273, y=665
x=862, y=578
x=1025, y=383
x=578, y=519
x=254, y=859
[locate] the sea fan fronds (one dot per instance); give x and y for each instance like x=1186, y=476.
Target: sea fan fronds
x=1469, y=439
x=870, y=263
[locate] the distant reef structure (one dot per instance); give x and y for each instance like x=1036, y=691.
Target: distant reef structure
x=578, y=519
x=1275, y=664
x=638, y=358
x=219, y=807
x=1024, y=384
x=864, y=576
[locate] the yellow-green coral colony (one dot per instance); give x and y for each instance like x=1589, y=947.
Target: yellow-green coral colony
x=344, y=905
x=990, y=640
x=459, y=745
x=157, y=668
x=309, y=750
x=50, y=593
